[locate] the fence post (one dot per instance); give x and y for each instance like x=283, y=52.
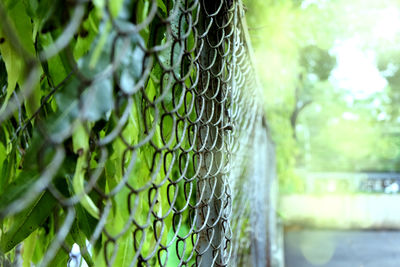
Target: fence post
x=212, y=196
x=260, y=201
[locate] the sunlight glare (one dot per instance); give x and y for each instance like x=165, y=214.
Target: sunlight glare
x=356, y=70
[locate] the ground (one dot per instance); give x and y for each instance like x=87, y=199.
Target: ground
x=331, y=248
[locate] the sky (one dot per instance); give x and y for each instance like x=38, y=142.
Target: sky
x=356, y=70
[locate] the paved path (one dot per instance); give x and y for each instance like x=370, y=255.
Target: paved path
x=342, y=248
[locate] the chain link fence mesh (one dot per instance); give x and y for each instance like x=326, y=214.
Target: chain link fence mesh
x=127, y=133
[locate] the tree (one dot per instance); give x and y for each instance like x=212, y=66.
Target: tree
x=316, y=66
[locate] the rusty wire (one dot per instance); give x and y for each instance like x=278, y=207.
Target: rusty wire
x=189, y=199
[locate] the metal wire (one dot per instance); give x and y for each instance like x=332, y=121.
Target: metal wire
x=158, y=127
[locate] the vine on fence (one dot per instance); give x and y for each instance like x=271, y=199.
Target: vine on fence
x=123, y=129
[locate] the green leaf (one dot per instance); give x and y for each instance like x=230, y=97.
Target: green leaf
x=98, y=101
x=27, y=221
x=62, y=256
x=103, y=40
x=173, y=259
x=115, y=7
x=161, y=5
x=100, y=4
x=43, y=240
x=86, y=222
x=15, y=64
x=39, y=12
x=54, y=68
x=89, y=30
x=60, y=259
x=22, y=25
x=131, y=67
x=79, y=238
x=59, y=124
x=7, y=173
x=3, y=73
x=84, y=225
x=3, y=165
x=29, y=249
x=80, y=141
x=32, y=104
x=17, y=188
x=125, y=251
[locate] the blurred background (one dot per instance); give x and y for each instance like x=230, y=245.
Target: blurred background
x=331, y=77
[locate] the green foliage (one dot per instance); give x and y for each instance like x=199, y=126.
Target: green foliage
x=317, y=61
x=65, y=112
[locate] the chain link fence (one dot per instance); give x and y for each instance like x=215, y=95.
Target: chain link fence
x=129, y=134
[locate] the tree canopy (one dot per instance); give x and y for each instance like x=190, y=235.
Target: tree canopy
x=330, y=72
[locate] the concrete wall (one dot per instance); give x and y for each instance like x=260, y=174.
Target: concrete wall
x=359, y=211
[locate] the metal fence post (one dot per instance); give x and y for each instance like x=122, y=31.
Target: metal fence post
x=260, y=203
x=212, y=197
